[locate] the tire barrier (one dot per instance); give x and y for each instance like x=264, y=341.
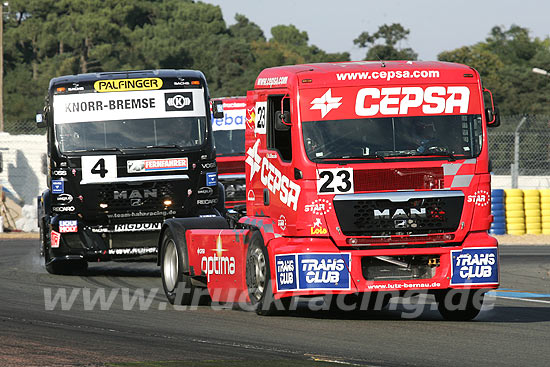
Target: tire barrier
x=498, y=211
x=545, y=210
x=531, y=203
x=515, y=211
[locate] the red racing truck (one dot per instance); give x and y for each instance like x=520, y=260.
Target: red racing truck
x=229, y=137
x=362, y=178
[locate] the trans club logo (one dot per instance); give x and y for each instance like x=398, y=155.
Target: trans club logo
x=313, y=271
x=474, y=266
x=181, y=101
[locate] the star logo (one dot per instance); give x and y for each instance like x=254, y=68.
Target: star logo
x=253, y=159
x=219, y=247
x=325, y=103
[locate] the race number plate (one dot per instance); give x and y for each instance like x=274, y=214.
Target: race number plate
x=98, y=168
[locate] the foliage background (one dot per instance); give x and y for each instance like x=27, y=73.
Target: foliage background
x=48, y=38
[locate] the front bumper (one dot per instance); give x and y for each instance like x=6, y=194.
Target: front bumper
x=315, y=266
x=122, y=241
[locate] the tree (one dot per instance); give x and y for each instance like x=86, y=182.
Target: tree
x=505, y=61
x=391, y=35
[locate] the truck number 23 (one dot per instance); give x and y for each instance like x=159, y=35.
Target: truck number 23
x=335, y=181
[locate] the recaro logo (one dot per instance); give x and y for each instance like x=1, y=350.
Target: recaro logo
x=400, y=213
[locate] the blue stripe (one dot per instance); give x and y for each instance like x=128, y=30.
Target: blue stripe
x=517, y=294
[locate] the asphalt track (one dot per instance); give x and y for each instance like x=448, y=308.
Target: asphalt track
x=513, y=329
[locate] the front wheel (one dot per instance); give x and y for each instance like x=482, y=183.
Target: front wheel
x=258, y=279
x=176, y=283
x=459, y=305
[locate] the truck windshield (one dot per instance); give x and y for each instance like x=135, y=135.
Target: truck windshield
x=229, y=142
x=455, y=136
x=126, y=134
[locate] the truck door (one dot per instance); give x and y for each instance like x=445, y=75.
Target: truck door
x=274, y=188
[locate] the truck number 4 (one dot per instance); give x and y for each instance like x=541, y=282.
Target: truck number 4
x=99, y=168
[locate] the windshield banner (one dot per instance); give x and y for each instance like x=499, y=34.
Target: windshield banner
x=87, y=107
x=415, y=100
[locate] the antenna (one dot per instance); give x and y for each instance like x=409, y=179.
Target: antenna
x=381, y=61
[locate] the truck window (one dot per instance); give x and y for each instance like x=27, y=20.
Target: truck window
x=277, y=139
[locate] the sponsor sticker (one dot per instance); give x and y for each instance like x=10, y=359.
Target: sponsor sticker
x=205, y=191
x=272, y=178
x=480, y=198
x=124, y=85
x=282, y=222
x=216, y=263
x=181, y=101
x=269, y=82
x=211, y=179
x=63, y=209
x=137, y=227
x=474, y=266
x=59, y=173
x=72, y=108
x=65, y=198
x=317, y=227
x=157, y=165
x=68, y=226
x=313, y=271
x=133, y=251
x=55, y=238
x=319, y=206
x=207, y=201
x=232, y=120
x=58, y=187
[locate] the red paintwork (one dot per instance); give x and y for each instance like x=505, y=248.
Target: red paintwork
x=287, y=223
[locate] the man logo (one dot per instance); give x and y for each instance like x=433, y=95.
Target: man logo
x=400, y=213
x=179, y=101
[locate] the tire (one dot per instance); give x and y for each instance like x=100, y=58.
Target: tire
x=173, y=268
x=258, y=279
x=459, y=305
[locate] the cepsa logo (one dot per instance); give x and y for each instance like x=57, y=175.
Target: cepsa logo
x=406, y=100
x=218, y=264
x=271, y=177
x=123, y=85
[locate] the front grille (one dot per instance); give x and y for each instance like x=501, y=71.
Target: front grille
x=382, y=217
x=147, y=196
x=231, y=167
x=398, y=179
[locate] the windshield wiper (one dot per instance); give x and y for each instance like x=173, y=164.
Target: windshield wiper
x=450, y=155
x=175, y=146
x=346, y=157
x=113, y=149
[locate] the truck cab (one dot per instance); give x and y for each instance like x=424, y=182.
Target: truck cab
x=229, y=138
x=363, y=178
x=126, y=150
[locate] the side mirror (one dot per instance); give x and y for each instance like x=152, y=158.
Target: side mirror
x=282, y=121
x=217, y=109
x=491, y=113
x=40, y=120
